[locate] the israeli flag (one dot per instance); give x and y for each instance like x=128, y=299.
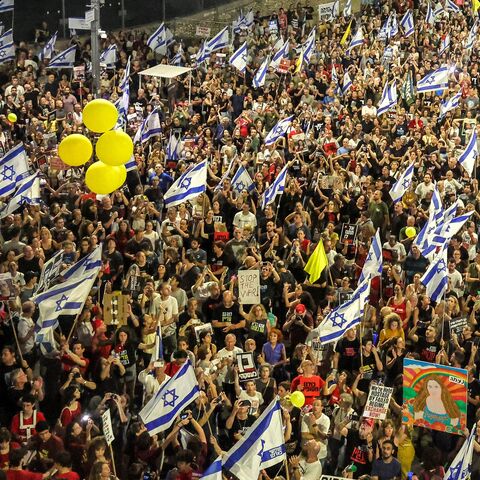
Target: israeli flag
x=13, y=169
x=335, y=10
x=122, y=106
x=461, y=466
x=309, y=47
x=389, y=98
x=50, y=271
x=468, y=158
x=357, y=40
x=347, y=11
x=174, y=148
x=402, y=184
x=49, y=48
x=279, y=130
x=444, y=44
x=6, y=6
x=108, y=58
x=439, y=11
x=203, y=53
x=347, y=83
x=64, y=59
x=435, y=278
x=407, y=24
x=262, y=446
x=393, y=30
x=437, y=80
x=66, y=298
x=85, y=266
x=261, y=74
x=242, y=181
x=373, y=264
x=150, y=127
x=276, y=188
x=280, y=54
x=174, y=396
x=219, y=41
x=452, y=6
x=177, y=59
x=214, y=471
x=435, y=215
x=450, y=104
x=7, y=53
x=472, y=36
x=126, y=77
x=239, y=58
x=430, y=17
x=249, y=19
x=131, y=164
x=334, y=326
x=27, y=193
x=6, y=38
x=239, y=23
x=188, y=186
x=158, y=41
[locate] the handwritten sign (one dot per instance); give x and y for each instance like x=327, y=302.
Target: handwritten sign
x=107, y=427
x=377, y=402
x=248, y=286
x=246, y=367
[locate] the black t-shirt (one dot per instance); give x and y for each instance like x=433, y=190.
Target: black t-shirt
x=473, y=391
x=115, y=261
x=240, y=426
x=228, y=315
x=104, y=216
x=209, y=306
x=357, y=453
x=349, y=354
x=427, y=350
x=32, y=265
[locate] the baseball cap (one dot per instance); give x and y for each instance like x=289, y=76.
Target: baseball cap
x=300, y=308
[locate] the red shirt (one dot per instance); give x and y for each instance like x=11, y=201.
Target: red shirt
x=21, y=433
x=4, y=456
x=23, y=475
x=310, y=386
x=172, y=368
x=68, y=364
x=68, y=476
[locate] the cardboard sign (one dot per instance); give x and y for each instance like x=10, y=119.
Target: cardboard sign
x=79, y=73
x=248, y=287
x=50, y=270
x=378, y=402
x=202, y=328
x=246, y=367
x=107, y=427
x=284, y=65
x=115, y=309
x=349, y=233
x=202, y=31
x=457, y=325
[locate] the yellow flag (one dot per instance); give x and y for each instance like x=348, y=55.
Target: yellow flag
x=476, y=5
x=299, y=63
x=347, y=31
x=317, y=262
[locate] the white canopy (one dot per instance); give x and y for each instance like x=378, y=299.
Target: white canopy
x=165, y=71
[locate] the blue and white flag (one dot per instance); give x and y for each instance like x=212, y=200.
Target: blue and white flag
x=276, y=188
x=435, y=215
x=435, y=278
x=239, y=58
x=6, y=5
x=261, y=447
x=122, y=105
x=472, y=37
x=174, y=148
x=335, y=12
x=177, y=59
x=203, y=53
x=278, y=131
x=242, y=181
x=373, y=264
x=393, y=25
x=437, y=80
x=7, y=53
x=27, y=193
x=249, y=19
x=214, y=471
x=309, y=47
x=131, y=164
x=347, y=83
x=6, y=38
x=407, y=24
x=108, y=58
x=439, y=11
x=13, y=169
x=430, y=17
x=158, y=41
x=334, y=326
x=151, y=127
x=280, y=54
x=357, y=40
x=85, y=266
x=389, y=98
x=239, y=23
x=64, y=59
x=402, y=184
x=450, y=104
x=219, y=41
x=173, y=396
x=49, y=48
x=261, y=74
x=188, y=186
x=444, y=44
x=50, y=271
x=126, y=77
x=468, y=158
x=65, y=298
x=347, y=10
x=452, y=6
x=461, y=466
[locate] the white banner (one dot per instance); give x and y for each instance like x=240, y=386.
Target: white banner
x=325, y=10
x=107, y=427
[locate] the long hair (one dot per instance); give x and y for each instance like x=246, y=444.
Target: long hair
x=450, y=406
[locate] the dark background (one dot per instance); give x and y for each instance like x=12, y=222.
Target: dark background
x=30, y=13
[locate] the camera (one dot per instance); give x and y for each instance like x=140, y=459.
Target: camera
x=76, y=375
x=183, y=416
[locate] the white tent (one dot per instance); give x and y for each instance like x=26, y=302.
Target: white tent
x=165, y=71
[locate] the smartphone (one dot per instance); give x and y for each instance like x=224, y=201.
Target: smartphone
x=183, y=416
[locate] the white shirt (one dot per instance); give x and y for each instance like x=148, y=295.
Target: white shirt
x=24, y=326
x=241, y=220
x=150, y=383
x=256, y=401
x=310, y=471
x=323, y=423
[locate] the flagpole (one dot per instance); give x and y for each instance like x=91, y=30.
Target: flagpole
x=14, y=332
x=113, y=460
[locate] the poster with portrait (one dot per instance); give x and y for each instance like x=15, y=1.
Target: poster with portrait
x=434, y=396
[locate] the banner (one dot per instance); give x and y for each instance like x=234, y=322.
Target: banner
x=248, y=287
x=246, y=367
x=107, y=427
x=434, y=396
x=378, y=402
x=325, y=11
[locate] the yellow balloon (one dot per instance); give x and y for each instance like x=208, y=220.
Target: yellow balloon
x=12, y=117
x=100, y=115
x=114, y=148
x=75, y=150
x=297, y=399
x=103, y=179
x=410, y=232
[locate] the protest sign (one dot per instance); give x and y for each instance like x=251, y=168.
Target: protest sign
x=207, y=327
x=202, y=31
x=8, y=290
x=248, y=286
x=115, y=309
x=377, y=402
x=326, y=11
x=457, y=325
x=246, y=367
x=107, y=427
x=349, y=233
x=434, y=396
x=50, y=271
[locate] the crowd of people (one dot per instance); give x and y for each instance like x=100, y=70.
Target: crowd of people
x=177, y=267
